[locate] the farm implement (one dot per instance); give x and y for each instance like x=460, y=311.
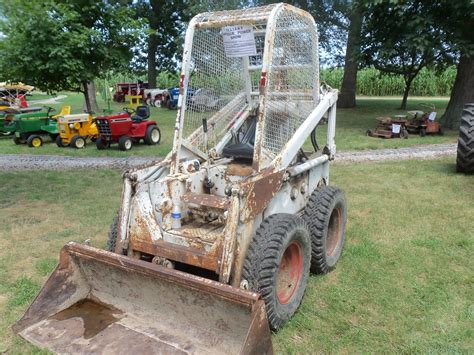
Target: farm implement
x=213, y=246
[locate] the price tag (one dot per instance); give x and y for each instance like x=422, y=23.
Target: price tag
x=396, y=128
x=239, y=41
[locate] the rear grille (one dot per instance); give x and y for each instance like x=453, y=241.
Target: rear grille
x=103, y=127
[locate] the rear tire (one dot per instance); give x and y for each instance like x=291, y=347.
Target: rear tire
x=153, y=135
x=465, y=154
x=277, y=265
x=422, y=132
x=125, y=143
x=325, y=214
x=34, y=141
x=78, y=142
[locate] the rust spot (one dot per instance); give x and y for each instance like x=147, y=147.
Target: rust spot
x=205, y=200
x=239, y=170
x=96, y=316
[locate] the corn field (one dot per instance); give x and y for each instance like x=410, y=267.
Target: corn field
x=371, y=82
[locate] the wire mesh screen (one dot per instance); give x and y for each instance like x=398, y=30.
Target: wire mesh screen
x=216, y=89
x=292, y=82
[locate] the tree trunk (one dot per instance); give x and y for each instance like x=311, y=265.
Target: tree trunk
x=90, y=101
x=462, y=92
x=152, y=46
x=406, y=92
x=154, y=23
x=347, y=98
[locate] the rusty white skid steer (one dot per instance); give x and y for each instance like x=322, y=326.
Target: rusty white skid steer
x=213, y=246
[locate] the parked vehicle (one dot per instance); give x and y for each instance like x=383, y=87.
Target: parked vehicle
x=134, y=89
x=127, y=128
x=31, y=128
x=75, y=130
x=155, y=97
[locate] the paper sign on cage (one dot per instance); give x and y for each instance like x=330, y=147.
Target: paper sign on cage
x=396, y=128
x=239, y=41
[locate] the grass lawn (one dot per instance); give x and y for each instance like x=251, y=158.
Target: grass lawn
x=404, y=283
x=350, y=134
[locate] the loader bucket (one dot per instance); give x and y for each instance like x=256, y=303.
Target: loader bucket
x=100, y=302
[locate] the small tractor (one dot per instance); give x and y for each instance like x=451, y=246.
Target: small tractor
x=31, y=128
x=75, y=130
x=127, y=128
x=465, y=152
x=423, y=121
x=213, y=246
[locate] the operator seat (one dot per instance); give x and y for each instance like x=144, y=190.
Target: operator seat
x=142, y=113
x=244, y=148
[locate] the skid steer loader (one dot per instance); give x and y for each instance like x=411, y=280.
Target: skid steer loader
x=213, y=246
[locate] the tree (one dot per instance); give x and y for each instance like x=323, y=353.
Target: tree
x=402, y=38
x=347, y=98
x=65, y=45
x=164, y=32
x=457, y=20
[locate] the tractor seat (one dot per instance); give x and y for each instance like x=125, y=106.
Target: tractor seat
x=142, y=113
x=244, y=148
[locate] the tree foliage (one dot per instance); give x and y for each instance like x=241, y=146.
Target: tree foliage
x=63, y=45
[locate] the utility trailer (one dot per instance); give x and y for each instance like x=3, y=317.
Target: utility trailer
x=213, y=246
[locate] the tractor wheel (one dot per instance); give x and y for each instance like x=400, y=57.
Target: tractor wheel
x=277, y=265
x=422, y=132
x=78, y=142
x=325, y=214
x=99, y=143
x=404, y=133
x=125, y=143
x=153, y=135
x=59, y=142
x=465, y=157
x=157, y=103
x=34, y=141
x=18, y=140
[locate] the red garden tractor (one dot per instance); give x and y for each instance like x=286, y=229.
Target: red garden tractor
x=127, y=128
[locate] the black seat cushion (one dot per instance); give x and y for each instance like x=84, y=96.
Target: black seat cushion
x=142, y=113
x=244, y=148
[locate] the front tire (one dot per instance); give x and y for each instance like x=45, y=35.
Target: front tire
x=34, y=141
x=59, y=142
x=125, y=143
x=153, y=135
x=78, y=142
x=326, y=214
x=99, y=143
x=277, y=265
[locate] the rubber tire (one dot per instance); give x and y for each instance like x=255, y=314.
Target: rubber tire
x=122, y=143
x=263, y=259
x=113, y=233
x=148, y=140
x=99, y=143
x=74, y=141
x=59, y=142
x=465, y=154
x=18, y=141
x=317, y=215
x=422, y=132
x=30, y=139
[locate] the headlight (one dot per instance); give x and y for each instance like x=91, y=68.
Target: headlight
x=71, y=126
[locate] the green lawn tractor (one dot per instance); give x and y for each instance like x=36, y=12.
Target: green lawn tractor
x=32, y=128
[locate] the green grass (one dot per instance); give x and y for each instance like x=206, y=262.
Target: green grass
x=350, y=133
x=404, y=283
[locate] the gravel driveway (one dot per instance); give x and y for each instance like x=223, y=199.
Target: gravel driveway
x=12, y=162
